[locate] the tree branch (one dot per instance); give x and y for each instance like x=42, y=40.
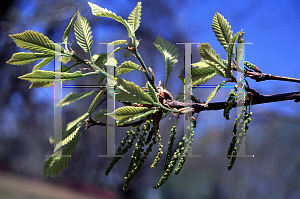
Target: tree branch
x=263, y=76
x=258, y=99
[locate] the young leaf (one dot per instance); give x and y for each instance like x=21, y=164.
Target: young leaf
x=213, y=94
x=114, y=51
x=201, y=75
x=65, y=39
x=127, y=66
x=230, y=49
x=103, y=12
x=100, y=114
x=134, y=18
x=100, y=59
x=35, y=41
x=56, y=163
x=200, y=64
x=217, y=69
x=129, y=92
x=169, y=52
x=239, y=51
x=69, y=131
x=67, y=32
x=222, y=30
x=118, y=42
x=65, y=59
x=201, y=72
x=73, y=97
x=67, y=137
x=127, y=112
x=74, y=122
x=46, y=77
x=213, y=59
x=151, y=92
x=43, y=63
x=138, y=116
x=95, y=101
x=127, y=53
x=63, y=68
x=23, y=58
x=83, y=33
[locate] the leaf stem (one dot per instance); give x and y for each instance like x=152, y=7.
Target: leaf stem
x=145, y=68
x=92, y=65
x=263, y=76
x=91, y=73
x=166, y=109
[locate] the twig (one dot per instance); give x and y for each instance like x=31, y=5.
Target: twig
x=263, y=76
x=135, y=52
x=258, y=99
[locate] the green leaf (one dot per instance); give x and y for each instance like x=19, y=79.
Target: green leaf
x=65, y=59
x=23, y=58
x=56, y=163
x=43, y=63
x=239, y=51
x=114, y=51
x=127, y=53
x=169, y=52
x=231, y=48
x=222, y=30
x=127, y=112
x=180, y=96
x=73, y=97
x=46, y=78
x=213, y=94
x=95, y=101
x=127, y=66
x=118, y=42
x=217, y=69
x=65, y=39
x=74, y=123
x=100, y=114
x=67, y=137
x=151, y=92
x=213, y=59
x=35, y=41
x=100, y=59
x=129, y=92
x=200, y=64
x=83, y=33
x=69, y=131
x=134, y=18
x=142, y=115
x=67, y=32
x=200, y=74
x=100, y=80
x=63, y=68
x=103, y=12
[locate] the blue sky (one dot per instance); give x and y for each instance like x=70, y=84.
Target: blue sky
x=272, y=27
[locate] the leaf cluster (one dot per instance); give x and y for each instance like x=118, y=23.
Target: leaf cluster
x=148, y=105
